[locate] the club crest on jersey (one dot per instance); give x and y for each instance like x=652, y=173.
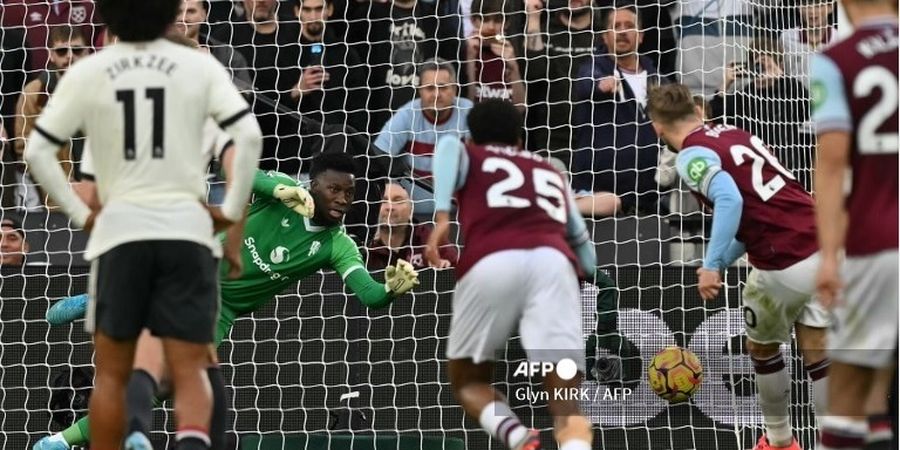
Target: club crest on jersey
x=696, y=169
x=279, y=255
x=817, y=94
x=78, y=14
x=314, y=248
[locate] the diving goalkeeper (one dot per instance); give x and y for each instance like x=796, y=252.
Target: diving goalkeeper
x=289, y=234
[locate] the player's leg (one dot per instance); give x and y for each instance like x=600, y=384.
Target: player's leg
x=813, y=346
x=143, y=387
x=768, y=325
x=119, y=301
x=551, y=330
x=862, y=343
x=881, y=433
x=183, y=313
x=486, y=308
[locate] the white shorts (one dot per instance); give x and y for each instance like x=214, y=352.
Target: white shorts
x=776, y=299
x=865, y=329
x=535, y=290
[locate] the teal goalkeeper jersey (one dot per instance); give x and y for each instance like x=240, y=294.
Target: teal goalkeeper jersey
x=280, y=247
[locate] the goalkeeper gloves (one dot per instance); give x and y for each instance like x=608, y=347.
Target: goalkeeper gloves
x=296, y=198
x=401, y=278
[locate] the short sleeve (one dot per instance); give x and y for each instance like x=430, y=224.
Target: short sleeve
x=87, y=159
x=345, y=256
x=830, y=111
x=696, y=166
x=226, y=105
x=393, y=136
x=64, y=114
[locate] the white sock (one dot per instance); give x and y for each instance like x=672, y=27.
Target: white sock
x=499, y=421
x=818, y=376
x=773, y=385
x=575, y=444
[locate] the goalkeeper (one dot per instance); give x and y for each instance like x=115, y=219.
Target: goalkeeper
x=289, y=234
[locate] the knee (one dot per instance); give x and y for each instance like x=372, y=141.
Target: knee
x=762, y=351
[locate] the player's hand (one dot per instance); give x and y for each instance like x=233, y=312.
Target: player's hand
x=401, y=278
x=438, y=235
x=296, y=198
x=828, y=283
x=220, y=222
x=708, y=283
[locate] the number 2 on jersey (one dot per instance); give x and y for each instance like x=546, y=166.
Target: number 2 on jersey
x=760, y=156
x=868, y=139
x=548, y=185
x=157, y=96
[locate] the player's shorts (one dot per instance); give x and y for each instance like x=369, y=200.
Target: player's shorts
x=534, y=290
x=169, y=287
x=865, y=329
x=776, y=299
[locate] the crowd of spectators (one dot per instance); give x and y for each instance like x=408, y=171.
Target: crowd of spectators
x=396, y=75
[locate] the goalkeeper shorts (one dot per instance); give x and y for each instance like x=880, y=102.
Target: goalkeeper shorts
x=535, y=291
x=169, y=287
x=865, y=329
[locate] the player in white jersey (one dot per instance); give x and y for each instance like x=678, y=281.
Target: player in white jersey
x=142, y=103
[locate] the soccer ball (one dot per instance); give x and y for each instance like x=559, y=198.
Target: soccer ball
x=675, y=374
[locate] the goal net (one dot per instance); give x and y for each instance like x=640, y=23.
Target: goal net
x=314, y=368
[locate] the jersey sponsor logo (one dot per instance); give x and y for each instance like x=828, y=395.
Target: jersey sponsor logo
x=279, y=255
x=314, y=248
x=817, y=94
x=696, y=169
x=263, y=266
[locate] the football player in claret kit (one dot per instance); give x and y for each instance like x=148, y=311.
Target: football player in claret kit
x=758, y=208
x=855, y=94
x=525, y=245
x=288, y=235
x=142, y=103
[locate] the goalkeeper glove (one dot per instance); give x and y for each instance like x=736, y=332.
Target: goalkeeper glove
x=401, y=278
x=296, y=198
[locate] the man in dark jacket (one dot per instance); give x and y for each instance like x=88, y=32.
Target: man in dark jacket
x=616, y=147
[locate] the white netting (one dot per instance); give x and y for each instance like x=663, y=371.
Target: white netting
x=289, y=365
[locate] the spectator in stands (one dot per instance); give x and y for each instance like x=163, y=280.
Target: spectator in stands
x=332, y=85
x=272, y=49
x=711, y=35
x=13, y=246
x=398, y=236
x=66, y=46
x=394, y=38
x=416, y=127
x=192, y=15
x=37, y=17
x=13, y=64
x=617, y=149
x=771, y=105
x=491, y=65
x=815, y=31
x=557, y=43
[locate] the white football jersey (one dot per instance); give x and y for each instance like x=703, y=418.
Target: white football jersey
x=143, y=107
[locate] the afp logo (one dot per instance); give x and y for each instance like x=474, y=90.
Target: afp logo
x=565, y=369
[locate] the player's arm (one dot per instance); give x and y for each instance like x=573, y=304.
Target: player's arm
x=348, y=262
x=579, y=238
x=229, y=109
x=451, y=164
x=831, y=115
x=701, y=169
x=60, y=120
x=832, y=119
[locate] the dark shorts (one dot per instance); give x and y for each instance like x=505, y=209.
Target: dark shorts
x=168, y=287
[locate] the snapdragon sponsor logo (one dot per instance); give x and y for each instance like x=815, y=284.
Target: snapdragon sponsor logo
x=263, y=266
